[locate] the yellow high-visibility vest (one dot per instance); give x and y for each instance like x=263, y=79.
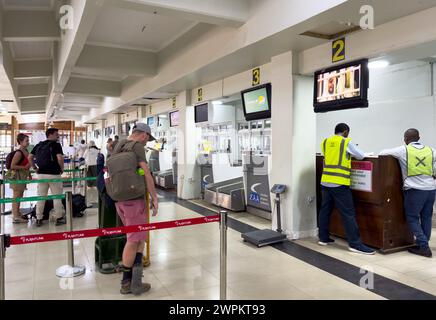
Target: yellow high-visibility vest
x=337, y=163
x=419, y=161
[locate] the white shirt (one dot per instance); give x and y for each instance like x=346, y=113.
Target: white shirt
x=355, y=152
x=422, y=182
x=90, y=156
x=81, y=149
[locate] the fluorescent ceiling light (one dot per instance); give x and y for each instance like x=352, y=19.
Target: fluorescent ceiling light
x=379, y=64
x=217, y=103
x=163, y=116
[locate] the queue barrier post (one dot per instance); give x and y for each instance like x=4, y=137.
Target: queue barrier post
x=2, y=194
x=4, y=243
x=70, y=270
x=223, y=255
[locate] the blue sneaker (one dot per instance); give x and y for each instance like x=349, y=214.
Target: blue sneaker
x=362, y=249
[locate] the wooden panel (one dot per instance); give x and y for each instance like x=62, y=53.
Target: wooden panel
x=379, y=214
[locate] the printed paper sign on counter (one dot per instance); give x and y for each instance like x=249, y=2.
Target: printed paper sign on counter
x=361, y=176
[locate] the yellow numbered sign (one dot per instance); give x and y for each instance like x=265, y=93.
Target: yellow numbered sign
x=200, y=95
x=150, y=109
x=338, y=50
x=174, y=101
x=256, y=77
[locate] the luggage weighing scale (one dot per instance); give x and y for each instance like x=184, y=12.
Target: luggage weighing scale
x=261, y=238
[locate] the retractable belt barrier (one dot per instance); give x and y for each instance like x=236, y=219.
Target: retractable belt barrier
x=50, y=180
x=36, y=198
x=71, y=270
x=18, y=240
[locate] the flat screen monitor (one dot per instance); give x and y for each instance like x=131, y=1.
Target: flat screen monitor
x=202, y=113
x=174, y=119
x=150, y=121
x=257, y=102
x=342, y=87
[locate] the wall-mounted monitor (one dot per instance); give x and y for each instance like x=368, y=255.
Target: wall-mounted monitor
x=151, y=121
x=257, y=102
x=202, y=113
x=174, y=119
x=342, y=87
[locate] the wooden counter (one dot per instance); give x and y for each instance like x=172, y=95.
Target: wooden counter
x=380, y=213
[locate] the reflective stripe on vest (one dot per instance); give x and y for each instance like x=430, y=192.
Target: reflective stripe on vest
x=419, y=161
x=337, y=163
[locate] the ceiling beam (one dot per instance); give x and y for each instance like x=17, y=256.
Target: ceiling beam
x=32, y=90
x=30, y=26
x=93, y=87
x=71, y=45
x=224, y=12
x=32, y=105
x=116, y=62
x=33, y=69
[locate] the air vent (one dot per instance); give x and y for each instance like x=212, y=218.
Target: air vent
x=6, y=100
x=138, y=105
x=332, y=30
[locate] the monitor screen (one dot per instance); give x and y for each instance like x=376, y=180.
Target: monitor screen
x=174, y=119
x=257, y=102
x=150, y=121
x=342, y=87
x=202, y=113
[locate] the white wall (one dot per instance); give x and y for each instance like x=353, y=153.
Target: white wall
x=399, y=98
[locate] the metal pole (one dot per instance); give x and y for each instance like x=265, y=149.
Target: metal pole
x=2, y=194
x=2, y=266
x=223, y=255
x=70, y=270
x=73, y=185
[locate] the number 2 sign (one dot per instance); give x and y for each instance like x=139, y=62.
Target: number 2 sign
x=338, y=50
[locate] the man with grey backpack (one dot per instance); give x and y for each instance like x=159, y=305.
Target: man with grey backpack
x=128, y=183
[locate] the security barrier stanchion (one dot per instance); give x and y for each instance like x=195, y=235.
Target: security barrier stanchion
x=223, y=255
x=70, y=270
x=4, y=243
x=2, y=194
x=73, y=184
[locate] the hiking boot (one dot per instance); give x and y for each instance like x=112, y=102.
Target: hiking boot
x=126, y=288
x=61, y=221
x=137, y=284
x=421, y=251
x=39, y=222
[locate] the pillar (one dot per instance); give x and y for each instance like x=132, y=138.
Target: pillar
x=293, y=148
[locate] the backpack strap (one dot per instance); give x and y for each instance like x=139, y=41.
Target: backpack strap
x=128, y=146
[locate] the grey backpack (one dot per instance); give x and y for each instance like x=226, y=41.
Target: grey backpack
x=124, y=182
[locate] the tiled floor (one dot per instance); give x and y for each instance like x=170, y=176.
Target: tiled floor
x=184, y=265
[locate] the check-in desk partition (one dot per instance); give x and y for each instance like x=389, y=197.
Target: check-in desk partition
x=378, y=199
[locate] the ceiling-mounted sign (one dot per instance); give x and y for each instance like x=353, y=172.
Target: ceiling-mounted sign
x=200, y=95
x=174, y=102
x=338, y=50
x=255, y=77
x=150, y=109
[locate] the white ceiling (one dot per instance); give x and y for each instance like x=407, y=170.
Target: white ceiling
x=32, y=50
x=45, y=5
x=124, y=28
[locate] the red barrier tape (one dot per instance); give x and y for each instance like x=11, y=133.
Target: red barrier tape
x=110, y=231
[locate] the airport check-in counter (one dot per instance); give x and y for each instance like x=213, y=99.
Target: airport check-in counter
x=227, y=194
x=378, y=198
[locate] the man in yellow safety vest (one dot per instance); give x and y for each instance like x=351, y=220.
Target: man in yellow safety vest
x=418, y=166
x=335, y=182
